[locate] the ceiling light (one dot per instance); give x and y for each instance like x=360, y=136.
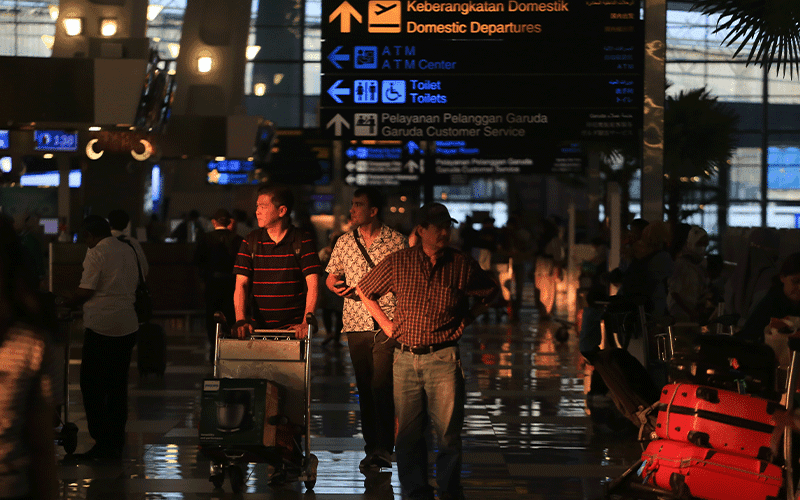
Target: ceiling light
x=108, y=27
x=47, y=156
x=73, y=26
x=53, y=9
x=48, y=41
x=204, y=64
x=260, y=89
x=174, y=49
x=153, y=11
x=252, y=51
x=277, y=78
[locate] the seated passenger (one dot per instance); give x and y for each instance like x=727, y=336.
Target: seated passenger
x=782, y=302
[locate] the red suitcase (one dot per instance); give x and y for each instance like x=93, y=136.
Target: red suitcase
x=688, y=470
x=714, y=418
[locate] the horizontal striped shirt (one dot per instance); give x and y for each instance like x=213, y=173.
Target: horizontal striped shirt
x=277, y=283
x=432, y=301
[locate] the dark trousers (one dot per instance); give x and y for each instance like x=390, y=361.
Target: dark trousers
x=372, y=357
x=218, y=297
x=104, y=386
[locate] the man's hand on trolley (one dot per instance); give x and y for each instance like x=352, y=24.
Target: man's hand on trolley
x=242, y=329
x=301, y=330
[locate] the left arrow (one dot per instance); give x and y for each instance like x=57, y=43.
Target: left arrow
x=338, y=121
x=335, y=91
x=334, y=57
x=345, y=10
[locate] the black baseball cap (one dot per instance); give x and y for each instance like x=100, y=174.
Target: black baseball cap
x=436, y=214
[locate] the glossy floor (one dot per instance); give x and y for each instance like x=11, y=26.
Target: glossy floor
x=526, y=436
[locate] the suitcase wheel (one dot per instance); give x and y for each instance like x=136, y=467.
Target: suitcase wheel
x=677, y=484
x=236, y=477
x=217, y=481
x=69, y=437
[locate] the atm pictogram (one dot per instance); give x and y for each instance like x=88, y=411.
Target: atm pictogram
x=366, y=57
x=384, y=16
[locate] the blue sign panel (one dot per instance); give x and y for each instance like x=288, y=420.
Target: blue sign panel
x=3, y=139
x=55, y=140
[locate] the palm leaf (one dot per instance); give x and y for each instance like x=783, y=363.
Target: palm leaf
x=699, y=135
x=771, y=26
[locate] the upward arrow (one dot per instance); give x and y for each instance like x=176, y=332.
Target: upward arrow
x=345, y=10
x=337, y=122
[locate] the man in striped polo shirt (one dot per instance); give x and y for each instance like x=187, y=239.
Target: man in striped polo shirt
x=277, y=270
x=432, y=283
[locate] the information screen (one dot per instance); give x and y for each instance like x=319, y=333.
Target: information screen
x=55, y=140
x=4, y=139
x=230, y=172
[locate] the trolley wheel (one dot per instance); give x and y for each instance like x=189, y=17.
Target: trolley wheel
x=217, y=480
x=236, y=476
x=310, y=470
x=69, y=437
x=562, y=334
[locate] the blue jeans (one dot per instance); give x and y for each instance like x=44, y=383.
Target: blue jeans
x=429, y=385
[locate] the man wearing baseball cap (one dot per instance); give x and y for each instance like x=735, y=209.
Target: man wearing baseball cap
x=432, y=282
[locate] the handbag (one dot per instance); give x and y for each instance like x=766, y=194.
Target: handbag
x=143, y=301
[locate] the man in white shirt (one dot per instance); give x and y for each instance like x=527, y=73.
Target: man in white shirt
x=107, y=291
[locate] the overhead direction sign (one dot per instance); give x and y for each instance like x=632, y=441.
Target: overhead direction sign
x=554, y=70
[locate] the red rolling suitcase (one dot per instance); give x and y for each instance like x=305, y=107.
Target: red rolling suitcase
x=714, y=418
x=688, y=470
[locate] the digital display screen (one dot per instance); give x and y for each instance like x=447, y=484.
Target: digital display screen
x=230, y=172
x=55, y=140
x=4, y=139
x=50, y=179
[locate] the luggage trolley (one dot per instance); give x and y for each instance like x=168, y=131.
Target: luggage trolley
x=258, y=405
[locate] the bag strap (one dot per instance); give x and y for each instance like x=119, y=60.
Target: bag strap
x=136, y=254
x=363, y=250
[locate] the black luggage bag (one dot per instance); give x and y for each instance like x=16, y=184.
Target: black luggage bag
x=729, y=363
x=630, y=387
x=152, y=349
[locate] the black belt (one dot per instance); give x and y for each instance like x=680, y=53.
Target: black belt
x=427, y=349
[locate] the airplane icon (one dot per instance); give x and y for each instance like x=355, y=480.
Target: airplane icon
x=385, y=16
x=384, y=8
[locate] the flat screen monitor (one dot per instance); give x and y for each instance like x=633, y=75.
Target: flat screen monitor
x=50, y=179
x=55, y=140
x=4, y=139
x=231, y=172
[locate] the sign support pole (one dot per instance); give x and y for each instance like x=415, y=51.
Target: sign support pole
x=655, y=49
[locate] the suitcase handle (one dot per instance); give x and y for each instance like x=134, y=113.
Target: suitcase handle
x=665, y=346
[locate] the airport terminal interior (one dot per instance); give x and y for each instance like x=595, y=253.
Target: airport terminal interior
x=531, y=432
